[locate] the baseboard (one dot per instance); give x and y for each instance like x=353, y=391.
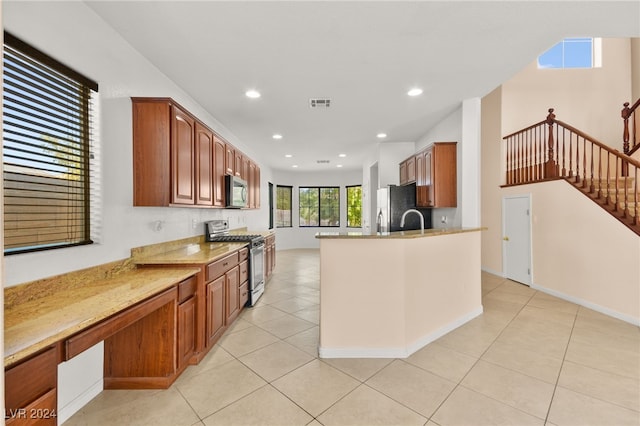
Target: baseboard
x=425, y=340
x=398, y=352
x=491, y=271
x=587, y=304
x=65, y=413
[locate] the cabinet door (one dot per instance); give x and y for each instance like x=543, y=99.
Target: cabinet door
x=252, y=185
x=204, y=166
x=233, y=293
x=182, y=157
x=420, y=180
x=238, y=164
x=411, y=169
x=230, y=159
x=219, y=171
x=403, y=173
x=257, y=186
x=428, y=179
x=245, y=171
x=186, y=331
x=215, y=310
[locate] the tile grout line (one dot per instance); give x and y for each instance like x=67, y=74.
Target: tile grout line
x=459, y=384
x=564, y=356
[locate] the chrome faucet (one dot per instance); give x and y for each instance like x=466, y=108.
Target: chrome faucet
x=412, y=211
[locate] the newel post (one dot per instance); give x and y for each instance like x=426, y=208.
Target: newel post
x=626, y=112
x=550, y=166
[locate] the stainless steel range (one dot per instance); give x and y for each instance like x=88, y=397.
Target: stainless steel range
x=218, y=231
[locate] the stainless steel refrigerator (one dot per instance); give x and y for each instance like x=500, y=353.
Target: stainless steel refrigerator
x=393, y=201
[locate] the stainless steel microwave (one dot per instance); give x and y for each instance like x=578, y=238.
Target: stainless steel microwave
x=236, y=192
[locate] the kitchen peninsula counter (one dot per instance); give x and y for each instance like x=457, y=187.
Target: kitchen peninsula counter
x=386, y=295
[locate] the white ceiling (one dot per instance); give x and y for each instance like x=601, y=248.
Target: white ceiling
x=363, y=55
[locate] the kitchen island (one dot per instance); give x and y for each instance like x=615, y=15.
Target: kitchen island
x=386, y=295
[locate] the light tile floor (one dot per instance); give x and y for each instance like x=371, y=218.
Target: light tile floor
x=530, y=358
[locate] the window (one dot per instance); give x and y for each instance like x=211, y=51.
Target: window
x=573, y=53
x=354, y=206
x=47, y=121
x=319, y=206
x=283, y=206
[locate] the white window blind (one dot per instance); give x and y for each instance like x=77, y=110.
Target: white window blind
x=47, y=150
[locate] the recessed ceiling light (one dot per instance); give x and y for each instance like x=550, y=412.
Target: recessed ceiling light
x=288, y=155
x=339, y=165
x=416, y=91
x=277, y=136
x=253, y=94
x=295, y=166
x=342, y=155
x=381, y=135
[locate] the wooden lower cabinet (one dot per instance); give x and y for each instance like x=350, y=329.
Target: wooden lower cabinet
x=270, y=256
x=30, y=390
x=215, y=316
x=143, y=354
x=232, y=280
x=187, y=317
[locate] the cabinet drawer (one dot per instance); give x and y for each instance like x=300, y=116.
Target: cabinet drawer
x=31, y=384
x=186, y=289
x=244, y=294
x=244, y=271
x=42, y=411
x=219, y=267
x=244, y=254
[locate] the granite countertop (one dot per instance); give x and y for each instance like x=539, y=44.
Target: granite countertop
x=190, y=254
x=36, y=322
x=395, y=235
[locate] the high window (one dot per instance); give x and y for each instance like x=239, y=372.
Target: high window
x=354, y=206
x=583, y=52
x=283, y=206
x=319, y=206
x=47, y=123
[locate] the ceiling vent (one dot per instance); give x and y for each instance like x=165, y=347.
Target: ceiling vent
x=319, y=103
x=323, y=161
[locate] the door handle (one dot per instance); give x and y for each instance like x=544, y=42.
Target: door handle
x=506, y=238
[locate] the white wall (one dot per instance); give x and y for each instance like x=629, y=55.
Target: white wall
x=580, y=252
x=447, y=130
x=296, y=237
x=121, y=72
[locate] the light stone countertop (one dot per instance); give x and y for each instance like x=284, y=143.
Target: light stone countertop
x=37, y=322
x=43, y=312
x=434, y=232
x=191, y=254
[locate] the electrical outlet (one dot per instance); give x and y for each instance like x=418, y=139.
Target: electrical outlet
x=194, y=223
x=443, y=219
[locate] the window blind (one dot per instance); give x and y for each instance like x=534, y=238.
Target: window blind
x=47, y=130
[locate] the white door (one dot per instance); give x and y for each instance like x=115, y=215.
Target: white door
x=516, y=238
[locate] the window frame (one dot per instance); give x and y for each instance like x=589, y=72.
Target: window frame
x=277, y=221
x=31, y=146
x=349, y=205
x=595, y=48
x=319, y=207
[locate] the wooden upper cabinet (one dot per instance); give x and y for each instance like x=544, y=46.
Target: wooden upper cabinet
x=230, y=159
x=253, y=185
x=438, y=184
x=182, y=157
x=238, y=164
x=177, y=160
x=219, y=171
x=151, y=152
x=408, y=171
x=204, y=147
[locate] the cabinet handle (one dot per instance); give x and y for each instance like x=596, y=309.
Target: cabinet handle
x=225, y=263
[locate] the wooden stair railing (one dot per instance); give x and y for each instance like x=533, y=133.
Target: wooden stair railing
x=630, y=145
x=552, y=149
